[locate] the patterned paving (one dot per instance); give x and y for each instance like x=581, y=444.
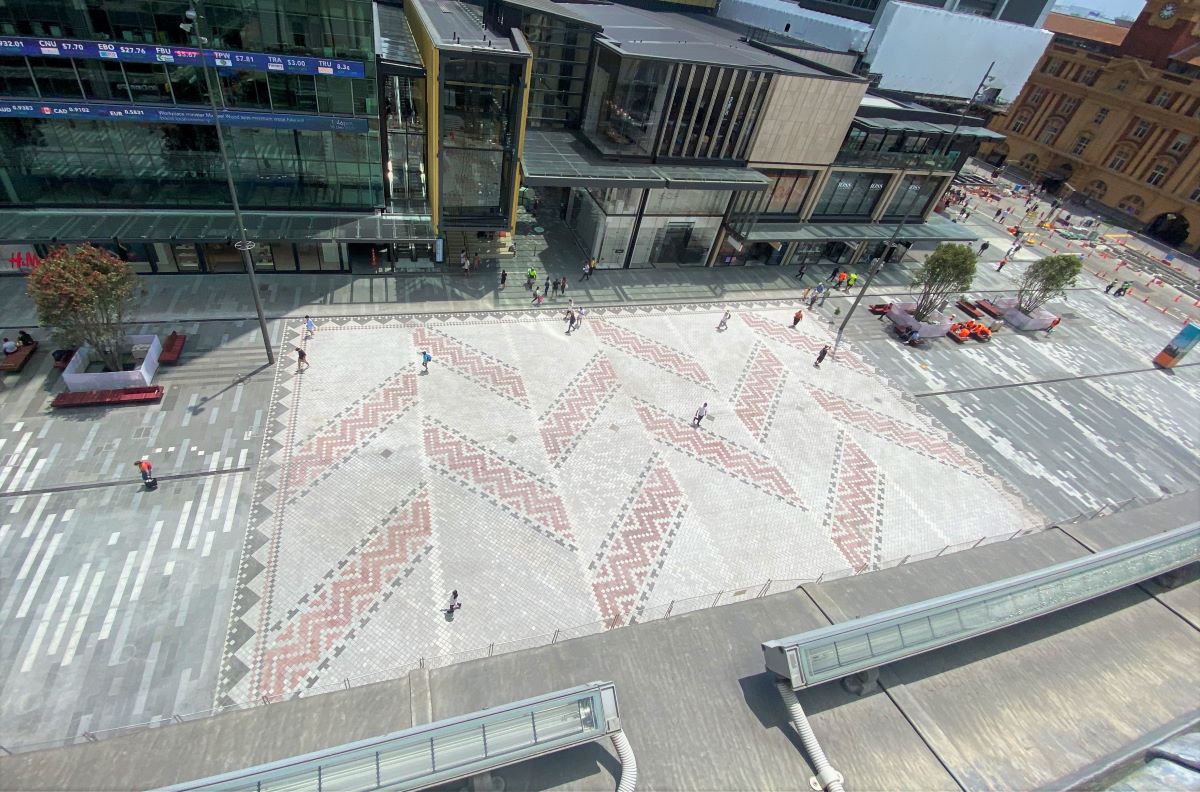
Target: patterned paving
x=557, y=480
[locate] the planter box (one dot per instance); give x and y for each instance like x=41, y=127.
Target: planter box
x=1040, y=320
x=76, y=378
x=935, y=326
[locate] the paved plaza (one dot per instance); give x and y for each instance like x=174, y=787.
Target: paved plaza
x=309, y=527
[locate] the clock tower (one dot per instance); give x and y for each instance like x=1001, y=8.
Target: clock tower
x=1164, y=28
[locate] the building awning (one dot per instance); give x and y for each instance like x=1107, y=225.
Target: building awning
x=561, y=159
x=926, y=127
x=937, y=229
x=51, y=226
x=394, y=39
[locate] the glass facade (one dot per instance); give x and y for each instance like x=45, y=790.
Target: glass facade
x=73, y=162
x=914, y=195
x=850, y=195
x=561, y=52
x=625, y=104
x=894, y=149
x=407, y=172
x=480, y=107
x=712, y=112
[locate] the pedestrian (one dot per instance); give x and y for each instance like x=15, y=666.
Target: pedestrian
x=592, y=266
x=833, y=276
x=562, y=286
x=723, y=325
x=797, y=318
x=466, y=265
x=570, y=320
x=803, y=269
x=1016, y=248
x=804, y=294
x=301, y=359
x=1053, y=325
x=841, y=281
x=983, y=248
x=579, y=317
x=454, y=604
x=546, y=288
x=1110, y=287
x=996, y=216
x=537, y=295
x=821, y=356
x=478, y=262
x=587, y=271
x=426, y=359
x=146, y=469
x=1004, y=214
x=1003, y=261
x=503, y=278
x=530, y=278
x=554, y=287
x=701, y=411
x=966, y=216
x=853, y=279
x=537, y=298
x=310, y=327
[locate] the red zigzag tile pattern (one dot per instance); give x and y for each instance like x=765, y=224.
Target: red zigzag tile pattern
x=357, y=586
x=855, y=506
x=503, y=481
x=885, y=426
x=465, y=359
x=729, y=458
x=649, y=350
x=576, y=408
x=635, y=546
x=796, y=338
x=757, y=393
x=396, y=395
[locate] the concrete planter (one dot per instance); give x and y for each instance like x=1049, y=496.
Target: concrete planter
x=935, y=326
x=1040, y=320
x=77, y=379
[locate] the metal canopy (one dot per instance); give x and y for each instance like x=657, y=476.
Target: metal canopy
x=560, y=159
x=937, y=229
x=51, y=226
x=394, y=39
x=837, y=651
x=927, y=127
x=440, y=752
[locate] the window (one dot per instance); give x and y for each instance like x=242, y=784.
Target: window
x=1097, y=190
x=1054, y=66
x=1119, y=159
x=1021, y=120
x=1050, y=132
x=1030, y=162
x=1139, y=130
x=1159, y=174
x=1101, y=114
x=1162, y=99
x=849, y=194
x=1131, y=204
x=1121, y=86
x=1037, y=95
x=1068, y=105
x=1081, y=145
x=1180, y=143
x=1088, y=77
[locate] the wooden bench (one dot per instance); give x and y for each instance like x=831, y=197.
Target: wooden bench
x=62, y=361
x=147, y=393
x=968, y=309
x=989, y=308
x=17, y=360
x=172, y=348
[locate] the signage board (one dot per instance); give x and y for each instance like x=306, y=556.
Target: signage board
x=180, y=115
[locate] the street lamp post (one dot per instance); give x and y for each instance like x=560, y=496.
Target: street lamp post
x=877, y=263
x=243, y=244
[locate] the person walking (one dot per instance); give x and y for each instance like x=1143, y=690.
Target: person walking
x=983, y=248
x=821, y=356
x=804, y=294
x=841, y=280
x=996, y=216
x=853, y=279
x=310, y=327
x=478, y=263
x=146, y=469
x=723, y=325
x=301, y=359
x=833, y=276
x=823, y=292
x=454, y=604
x=426, y=359
x=569, y=318
x=1053, y=325
x=562, y=286
x=701, y=411
x=587, y=271
x=579, y=317
x=1003, y=261
x=503, y=278
x=546, y=288
x=554, y=287
x=797, y=318
x=592, y=267
x=803, y=269
x=537, y=296
x=1110, y=287
x=464, y=261
x=530, y=278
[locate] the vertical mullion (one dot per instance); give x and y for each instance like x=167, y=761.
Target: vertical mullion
x=750, y=124
x=687, y=90
x=687, y=138
x=739, y=107
x=707, y=116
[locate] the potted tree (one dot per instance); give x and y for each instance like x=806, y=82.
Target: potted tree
x=1045, y=279
x=949, y=269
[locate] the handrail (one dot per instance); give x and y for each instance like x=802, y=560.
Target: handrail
x=440, y=752
x=869, y=642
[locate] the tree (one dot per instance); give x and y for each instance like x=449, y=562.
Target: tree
x=1046, y=279
x=85, y=296
x=949, y=268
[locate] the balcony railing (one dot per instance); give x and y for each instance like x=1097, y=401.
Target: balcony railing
x=896, y=159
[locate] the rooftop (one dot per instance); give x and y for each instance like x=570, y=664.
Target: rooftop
x=393, y=37
x=683, y=38
x=1087, y=29
x=452, y=23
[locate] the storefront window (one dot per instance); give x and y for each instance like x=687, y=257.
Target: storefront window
x=913, y=196
x=56, y=78
x=626, y=103
x=849, y=194
x=15, y=79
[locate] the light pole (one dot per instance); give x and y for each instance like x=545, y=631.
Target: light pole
x=877, y=264
x=243, y=244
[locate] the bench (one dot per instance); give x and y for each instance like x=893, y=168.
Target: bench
x=970, y=310
x=146, y=393
x=62, y=360
x=989, y=308
x=17, y=360
x=172, y=348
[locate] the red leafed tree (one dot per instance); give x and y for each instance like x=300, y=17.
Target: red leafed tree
x=85, y=296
